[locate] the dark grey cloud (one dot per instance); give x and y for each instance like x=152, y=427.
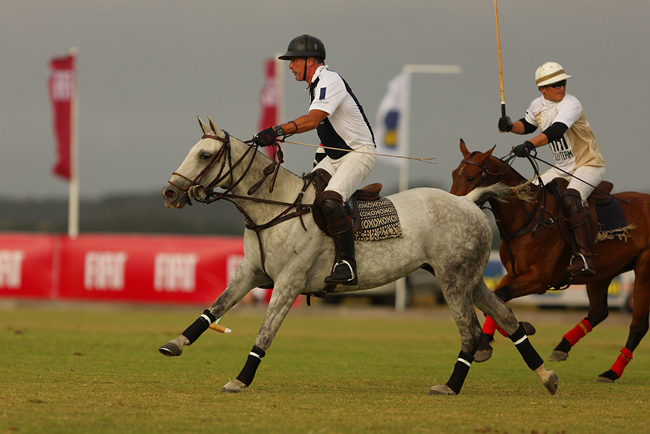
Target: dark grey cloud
x=148, y=68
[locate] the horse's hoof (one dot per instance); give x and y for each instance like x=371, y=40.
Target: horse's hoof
x=482, y=355
x=558, y=356
x=171, y=349
x=552, y=382
x=234, y=386
x=528, y=328
x=604, y=380
x=441, y=389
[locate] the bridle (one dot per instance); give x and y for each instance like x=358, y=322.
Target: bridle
x=195, y=191
x=532, y=223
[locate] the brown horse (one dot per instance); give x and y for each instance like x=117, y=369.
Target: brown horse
x=535, y=253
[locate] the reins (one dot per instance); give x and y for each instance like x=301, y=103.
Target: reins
x=532, y=222
x=206, y=195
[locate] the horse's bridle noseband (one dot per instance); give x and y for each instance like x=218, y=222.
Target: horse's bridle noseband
x=194, y=186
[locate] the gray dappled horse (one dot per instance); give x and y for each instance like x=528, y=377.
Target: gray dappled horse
x=444, y=234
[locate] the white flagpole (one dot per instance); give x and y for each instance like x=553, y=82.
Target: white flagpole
x=400, y=285
x=73, y=200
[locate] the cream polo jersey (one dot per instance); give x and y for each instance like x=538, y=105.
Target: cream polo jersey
x=577, y=147
x=346, y=126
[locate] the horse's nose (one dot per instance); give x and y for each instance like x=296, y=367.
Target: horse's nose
x=168, y=193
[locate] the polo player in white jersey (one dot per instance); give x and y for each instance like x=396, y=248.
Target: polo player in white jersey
x=563, y=126
x=347, y=139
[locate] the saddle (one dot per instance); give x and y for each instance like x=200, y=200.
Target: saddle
x=368, y=193
x=600, y=198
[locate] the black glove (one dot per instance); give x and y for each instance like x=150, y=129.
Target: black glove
x=505, y=124
x=265, y=137
x=524, y=150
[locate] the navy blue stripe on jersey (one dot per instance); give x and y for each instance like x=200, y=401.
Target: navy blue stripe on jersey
x=326, y=132
x=356, y=101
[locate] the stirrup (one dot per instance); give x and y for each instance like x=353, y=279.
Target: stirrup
x=351, y=281
x=586, y=271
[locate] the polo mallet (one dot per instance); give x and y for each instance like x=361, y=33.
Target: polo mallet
x=503, y=101
x=219, y=328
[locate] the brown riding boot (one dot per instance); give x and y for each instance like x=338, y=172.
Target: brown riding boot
x=575, y=214
x=339, y=225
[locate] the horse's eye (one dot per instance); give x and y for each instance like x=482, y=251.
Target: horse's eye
x=470, y=179
x=205, y=156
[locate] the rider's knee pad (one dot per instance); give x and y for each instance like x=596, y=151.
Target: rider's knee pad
x=330, y=202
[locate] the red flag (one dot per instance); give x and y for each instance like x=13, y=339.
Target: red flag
x=269, y=97
x=62, y=91
x=269, y=100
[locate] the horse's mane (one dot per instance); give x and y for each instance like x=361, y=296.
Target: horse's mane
x=522, y=191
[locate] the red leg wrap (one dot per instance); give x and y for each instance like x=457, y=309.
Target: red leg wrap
x=578, y=332
x=490, y=326
x=621, y=361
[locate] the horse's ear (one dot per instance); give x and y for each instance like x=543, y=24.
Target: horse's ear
x=488, y=153
x=217, y=131
x=202, y=125
x=463, y=148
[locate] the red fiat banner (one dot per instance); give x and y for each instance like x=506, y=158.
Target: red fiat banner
x=131, y=268
x=26, y=265
x=62, y=91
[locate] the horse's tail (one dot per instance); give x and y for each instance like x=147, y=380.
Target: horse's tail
x=498, y=191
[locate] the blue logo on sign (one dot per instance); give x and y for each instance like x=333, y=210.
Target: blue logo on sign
x=390, y=121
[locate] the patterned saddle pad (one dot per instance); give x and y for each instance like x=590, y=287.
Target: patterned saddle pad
x=378, y=220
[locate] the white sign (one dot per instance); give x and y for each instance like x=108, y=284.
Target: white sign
x=11, y=262
x=104, y=271
x=175, y=272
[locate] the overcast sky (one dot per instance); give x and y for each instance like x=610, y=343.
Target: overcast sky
x=147, y=68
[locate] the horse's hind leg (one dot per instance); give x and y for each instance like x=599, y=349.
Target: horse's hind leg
x=244, y=279
x=490, y=304
x=639, y=325
x=460, y=303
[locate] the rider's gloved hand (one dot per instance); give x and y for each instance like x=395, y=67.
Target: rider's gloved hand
x=505, y=124
x=524, y=150
x=265, y=137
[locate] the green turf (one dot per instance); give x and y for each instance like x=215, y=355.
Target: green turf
x=98, y=371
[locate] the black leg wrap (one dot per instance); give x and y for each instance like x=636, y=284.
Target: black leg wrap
x=461, y=369
x=248, y=373
x=197, y=328
x=532, y=359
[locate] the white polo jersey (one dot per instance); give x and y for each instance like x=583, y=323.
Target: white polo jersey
x=346, y=126
x=577, y=147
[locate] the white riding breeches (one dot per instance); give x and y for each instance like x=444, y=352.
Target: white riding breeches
x=582, y=177
x=349, y=171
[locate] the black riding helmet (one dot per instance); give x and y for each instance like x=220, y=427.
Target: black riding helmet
x=304, y=46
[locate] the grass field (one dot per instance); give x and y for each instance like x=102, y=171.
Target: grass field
x=80, y=369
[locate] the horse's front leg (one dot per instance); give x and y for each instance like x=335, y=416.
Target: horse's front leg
x=245, y=278
x=598, y=311
x=281, y=301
